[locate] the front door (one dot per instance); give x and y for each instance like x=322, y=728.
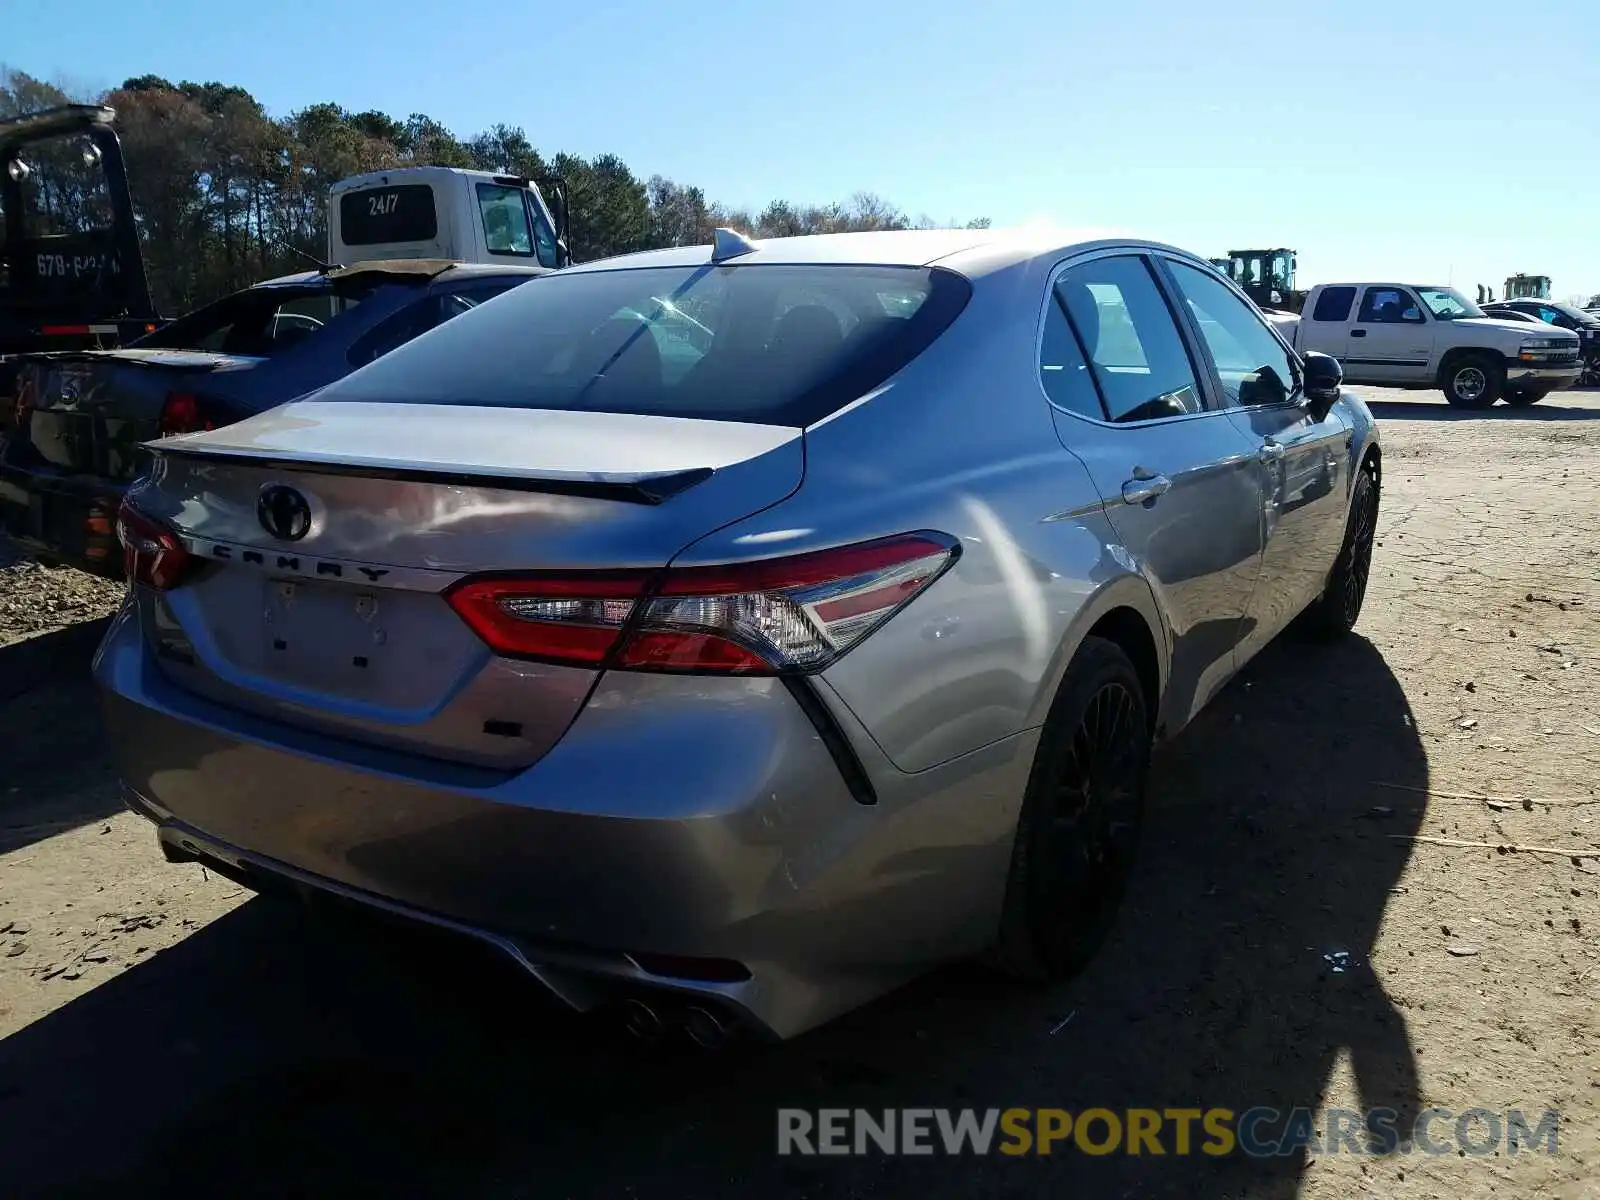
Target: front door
x=1392, y=338
x=1302, y=462
x=1178, y=476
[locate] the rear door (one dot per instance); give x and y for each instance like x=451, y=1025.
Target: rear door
x=1392, y=338
x=1178, y=477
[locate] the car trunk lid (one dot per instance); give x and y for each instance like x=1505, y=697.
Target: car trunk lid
x=88, y=412
x=330, y=532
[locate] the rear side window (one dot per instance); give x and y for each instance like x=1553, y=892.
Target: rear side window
x=1334, y=304
x=403, y=213
x=416, y=319
x=1126, y=329
x=1062, y=368
x=778, y=344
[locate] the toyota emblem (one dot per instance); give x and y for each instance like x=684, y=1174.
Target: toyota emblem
x=283, y=512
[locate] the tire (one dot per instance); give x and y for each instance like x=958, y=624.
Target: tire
x=1525, y=397
x=1334, y=613
x=1075, y=845
x=1473, y=381
x=1591, y=371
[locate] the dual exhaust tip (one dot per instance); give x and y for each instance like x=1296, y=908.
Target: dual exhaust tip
x=704, y=1027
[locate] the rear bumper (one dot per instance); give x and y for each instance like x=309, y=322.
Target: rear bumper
x=69, y=517
x=701, y=819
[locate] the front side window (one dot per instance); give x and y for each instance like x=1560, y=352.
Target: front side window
x=1252, y=364
x=505, y=220
x=514, y=225
x=1576, y=318
x=779, y=344
x=1334, y=304
x=1389, y=306
x=1126, y=332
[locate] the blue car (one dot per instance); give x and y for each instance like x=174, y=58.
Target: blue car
x=73, y=438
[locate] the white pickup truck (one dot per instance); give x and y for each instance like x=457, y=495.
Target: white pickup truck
x=1409, y=336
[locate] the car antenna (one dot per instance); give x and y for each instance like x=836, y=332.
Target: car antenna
x=311, y=258
x=730, y=243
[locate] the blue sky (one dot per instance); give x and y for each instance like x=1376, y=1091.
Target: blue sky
x=1450, y=140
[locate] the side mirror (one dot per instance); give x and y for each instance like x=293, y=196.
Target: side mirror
x=1323, y=377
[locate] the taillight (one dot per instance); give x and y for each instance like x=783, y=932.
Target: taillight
x=181, y=414
x=567, y=619
x=774, y=615
x=151, y=553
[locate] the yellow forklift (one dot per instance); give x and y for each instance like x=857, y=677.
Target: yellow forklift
x=1528, y=287
x=1266, y=276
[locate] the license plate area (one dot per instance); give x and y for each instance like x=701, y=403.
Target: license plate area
x=327, y=637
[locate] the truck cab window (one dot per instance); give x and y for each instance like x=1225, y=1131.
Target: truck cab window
x=1389, y=306
x=1334, y=304
x=505, y=220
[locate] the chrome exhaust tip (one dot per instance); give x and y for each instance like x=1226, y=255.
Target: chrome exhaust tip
x=642, y=1022
x=707, y=1029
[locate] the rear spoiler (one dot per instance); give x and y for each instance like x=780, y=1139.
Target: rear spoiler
x=644, y=488
x=133, y=356
x=427, y=268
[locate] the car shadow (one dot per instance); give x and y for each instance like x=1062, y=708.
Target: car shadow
x=1440, y=410
x=277, y=1051
x=54, y=771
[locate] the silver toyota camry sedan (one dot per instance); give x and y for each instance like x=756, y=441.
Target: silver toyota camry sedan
x=729, y=633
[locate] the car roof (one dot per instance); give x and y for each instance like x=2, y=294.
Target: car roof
x=969, y=251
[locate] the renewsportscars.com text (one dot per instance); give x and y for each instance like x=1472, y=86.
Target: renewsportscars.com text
x=1212, y=1132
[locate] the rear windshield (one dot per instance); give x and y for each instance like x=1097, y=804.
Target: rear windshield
x=775, y=345
x=373, y=216
x=260, y=322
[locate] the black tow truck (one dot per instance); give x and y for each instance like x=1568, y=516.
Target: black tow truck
x=72, y=276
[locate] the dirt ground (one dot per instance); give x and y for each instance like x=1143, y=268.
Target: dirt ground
x=1289, y=941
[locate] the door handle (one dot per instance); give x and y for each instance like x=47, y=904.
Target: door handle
x=1270, y=452
x=1358, y=333
x=1145, y=487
